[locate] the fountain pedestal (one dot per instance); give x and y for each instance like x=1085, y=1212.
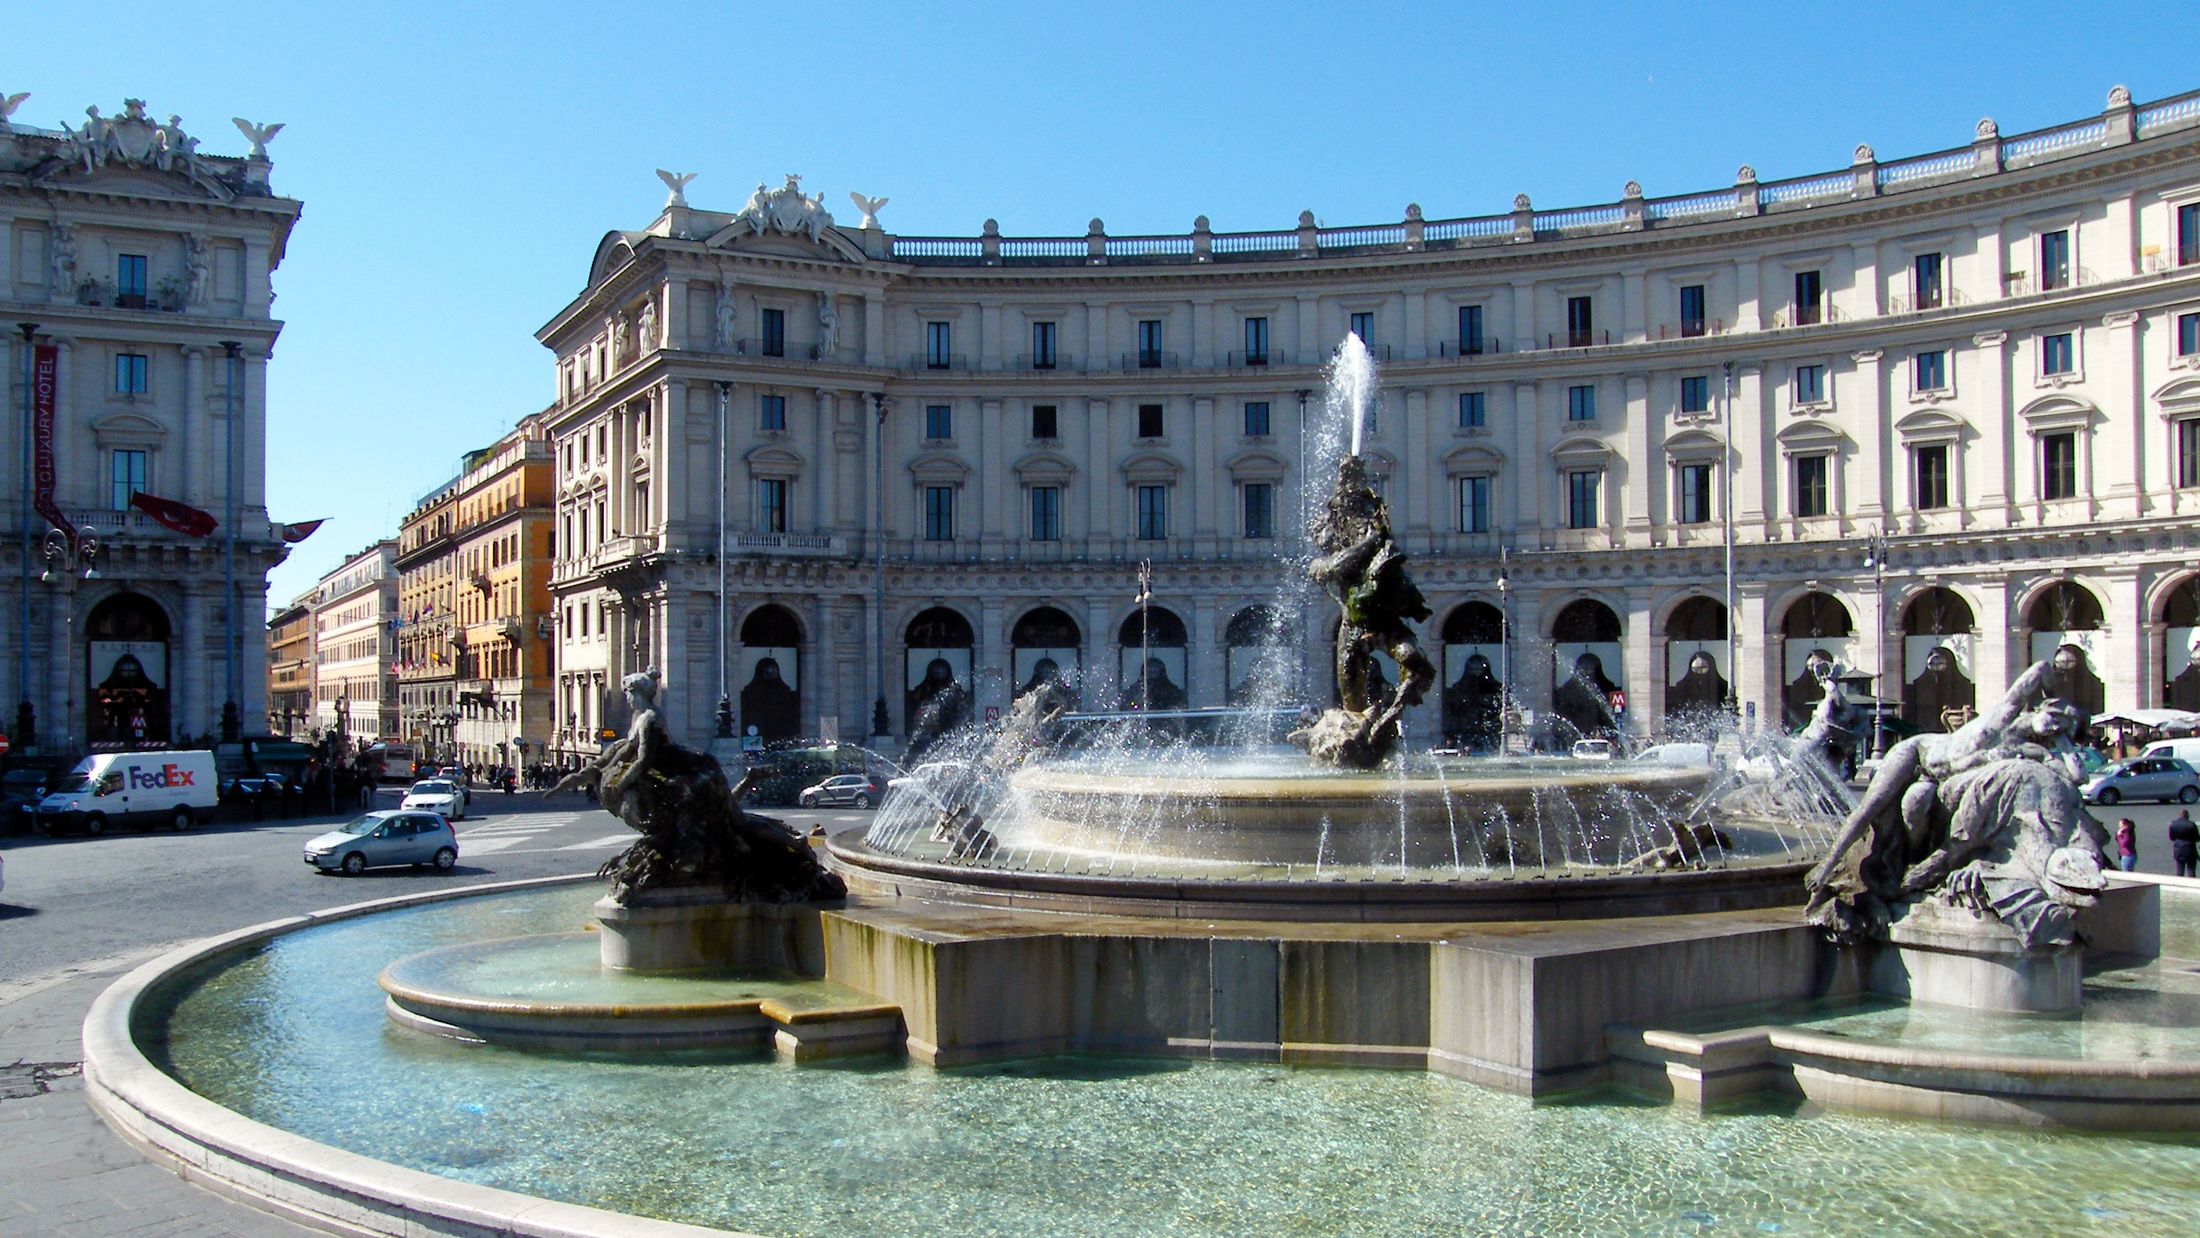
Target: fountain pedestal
x=1952, y=956
x=698, y=928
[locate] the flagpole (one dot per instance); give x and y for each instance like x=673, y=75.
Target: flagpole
x=25, y=719
x=230, y=714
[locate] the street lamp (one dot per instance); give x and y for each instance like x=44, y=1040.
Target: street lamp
x=65, y=558
x=725, y=697
x=1875, y=558
x=1504, y=647
x=1726, y=516
x=881, y=724
x=230, y=720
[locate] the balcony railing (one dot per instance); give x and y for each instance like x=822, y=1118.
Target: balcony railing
x=1048, y=361
x=937, y=361
x=1150, y=359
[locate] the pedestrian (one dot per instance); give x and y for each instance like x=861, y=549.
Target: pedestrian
x=2184, y=843
x=2127, y=845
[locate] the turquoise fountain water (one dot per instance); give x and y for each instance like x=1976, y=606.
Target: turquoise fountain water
x=294, y=1035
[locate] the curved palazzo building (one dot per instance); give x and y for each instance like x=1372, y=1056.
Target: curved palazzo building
x=1943, y=412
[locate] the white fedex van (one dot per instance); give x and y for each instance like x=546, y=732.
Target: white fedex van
x=143, y=789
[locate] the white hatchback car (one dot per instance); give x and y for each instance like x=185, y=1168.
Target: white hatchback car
x=437, y=796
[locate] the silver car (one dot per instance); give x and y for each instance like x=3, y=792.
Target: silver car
x=2145, y=778
x=380, y=839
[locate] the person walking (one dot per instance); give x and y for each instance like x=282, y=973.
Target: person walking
x=2127, y=845
x=2184, y=843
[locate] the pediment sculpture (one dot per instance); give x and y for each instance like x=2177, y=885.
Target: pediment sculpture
x=786, y=209
x=130, y=140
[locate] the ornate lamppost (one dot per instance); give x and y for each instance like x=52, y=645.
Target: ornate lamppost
x=1875, y=558
x=881, y=724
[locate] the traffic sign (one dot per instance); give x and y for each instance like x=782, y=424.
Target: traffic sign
x=3, y=745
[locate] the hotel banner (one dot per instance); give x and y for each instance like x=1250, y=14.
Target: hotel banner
x=45, y=377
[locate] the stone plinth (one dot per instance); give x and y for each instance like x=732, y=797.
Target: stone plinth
x=1951, y=956
x=697, y=928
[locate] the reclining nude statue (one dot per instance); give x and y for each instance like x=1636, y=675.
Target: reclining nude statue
x=1363, y=569
x=693, y=831
x=1988, y=817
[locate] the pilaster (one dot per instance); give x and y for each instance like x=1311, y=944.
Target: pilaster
x=1871, y=497
x=2119, y=466
x=1645, y=457
x=1993, y=423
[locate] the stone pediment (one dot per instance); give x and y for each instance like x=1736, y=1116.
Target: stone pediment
x=615, y=250
x=940, y=468
x=1045, y=468
x=1695, y=445
x=2058, y=412
x=1810, y=436
x=1469, y=458
x=1257, y=465
x=124, y=428
x=737, y=237
x=1581, y=451
x=2178, y=398
x=774, y=460
x=1929, y=425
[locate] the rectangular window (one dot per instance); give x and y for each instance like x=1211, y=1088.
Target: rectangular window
x=1810, y=485
x=1153, y=513
x=1692, y=309
x=939, y=345
x=2188, y=234
x=2188, y=335
x=1810, y=384
x=771, y=505
x=939, y=513
x=2054, y=260
x=2058, y=354
x=1363, y=325
x=1929, y=370
x=1473, y=412
x=1470, y=330
x=1042, y=346
x=1931, y=482
x=771, y=412
x=2188, y=452
x=1925, y=280
x=939, y=421
x=128, y=473
x=130, y=373
x=1696, y=393
x=1256, y=418
x=1809, y=298
x=1149, y=421
x=1256, y=341
x=1046, y=513
x=1043, y=424
x=2059, y=466
x=773, y=323
x=1580, y=322
x=1692, y=493
x=1260, y=509
x=1581, y=498
x=1149, y=343
x=1474, y=505
x=130, y=280
x=1581, y=403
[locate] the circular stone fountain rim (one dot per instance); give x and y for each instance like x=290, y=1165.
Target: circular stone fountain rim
x=1385, y=783
x=287, y=1174
x=1528, y=896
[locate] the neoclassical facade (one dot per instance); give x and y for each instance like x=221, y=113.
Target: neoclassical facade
x=135, y=293
x=1930, y=418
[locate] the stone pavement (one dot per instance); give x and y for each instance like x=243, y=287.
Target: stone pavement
x=67, y=1174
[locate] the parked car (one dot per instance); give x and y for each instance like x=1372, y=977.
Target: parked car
x=381, y=839
x=1593, y=750
x=1682, y=755
x=2145, y=778
x=437, y=795
x=20, y=791
x=861, y=790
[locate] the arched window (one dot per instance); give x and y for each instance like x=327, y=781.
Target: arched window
x=1695, y=663
x=2181, y=646
x=1151, y=655
x=1259, y=661
x=1940, y=689
x=126, y=672
x=771, y=675
x=1816, y=636
x=1475, y=663
x=1586, y=672
x=2065, y=623
x=937, y=660
x=1046, y=644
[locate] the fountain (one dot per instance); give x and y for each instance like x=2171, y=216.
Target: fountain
x=1148, y=962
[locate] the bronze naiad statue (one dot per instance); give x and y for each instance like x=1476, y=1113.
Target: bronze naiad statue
x=1366, y=572
x=692, y=829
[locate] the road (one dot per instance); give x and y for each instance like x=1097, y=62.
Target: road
x=77, y=904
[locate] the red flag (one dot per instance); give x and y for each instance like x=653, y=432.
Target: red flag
x=182, y=517
x=300, y=531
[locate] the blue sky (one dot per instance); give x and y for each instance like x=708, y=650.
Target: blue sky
x=458, y=162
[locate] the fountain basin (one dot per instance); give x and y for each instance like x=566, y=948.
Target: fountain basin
x=1501, y=819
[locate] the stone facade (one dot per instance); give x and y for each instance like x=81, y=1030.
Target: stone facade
x=144, y=264
x=1945, y=411
x=355, y=647
x=427, y=595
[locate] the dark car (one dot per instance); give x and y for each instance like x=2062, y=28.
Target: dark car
x=20, y=791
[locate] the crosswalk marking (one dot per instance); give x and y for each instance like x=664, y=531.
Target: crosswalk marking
x=606, y=841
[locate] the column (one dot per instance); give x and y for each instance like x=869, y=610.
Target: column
x=1419, y=475
x=2129, y=644
x=1524, y=335
x=2003, y=649
x=1101, y=480
x=1993, y=466
x=183, y=472
x=1645, y=458
x=1750, y=453
x=2119, y=460
x=1863, y=300
x=1634, y=317
x=1096, y=337
x=992, y=352
x=1530, y=465
x=874, y=328
x=1209, y=489
x=825, y=464
x=1202, y=351
x=989, y=661
x=1748, y=293
x=1310, y=348
x=990, y=461
x=1206, y=660
x=1644, y=648
x=1416, y=333
x=1872, y=492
